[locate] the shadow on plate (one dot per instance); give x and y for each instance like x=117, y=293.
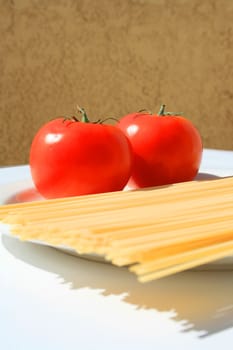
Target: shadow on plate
x=200, y=301
x=28, y=195
x=206, y=176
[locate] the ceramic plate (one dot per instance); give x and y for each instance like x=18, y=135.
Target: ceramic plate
x=24, y=191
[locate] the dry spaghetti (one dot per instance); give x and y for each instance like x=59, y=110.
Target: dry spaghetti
x=157, y=231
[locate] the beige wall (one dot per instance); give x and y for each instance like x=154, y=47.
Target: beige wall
x=113, y=57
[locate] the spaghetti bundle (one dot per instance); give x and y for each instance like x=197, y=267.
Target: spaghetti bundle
x=155, y=232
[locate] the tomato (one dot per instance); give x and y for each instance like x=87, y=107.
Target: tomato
x=71, y=157
x=167, y=148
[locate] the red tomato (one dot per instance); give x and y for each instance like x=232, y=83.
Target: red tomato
x=167, y=148
x=69, y=158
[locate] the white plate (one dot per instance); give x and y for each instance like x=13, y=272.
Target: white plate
x=24, y=191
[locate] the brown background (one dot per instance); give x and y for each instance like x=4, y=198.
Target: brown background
x=114, y=57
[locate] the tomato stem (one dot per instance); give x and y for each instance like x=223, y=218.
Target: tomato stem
x=74, y=119
x=85, y=119
x=145, y=110
x=102, y=121
x=84, y=115
x=162, y=110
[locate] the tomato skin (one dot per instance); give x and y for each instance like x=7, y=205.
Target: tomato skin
x=70, y=158
x=167, y=149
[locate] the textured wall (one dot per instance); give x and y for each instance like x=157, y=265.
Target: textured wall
x=113, y=57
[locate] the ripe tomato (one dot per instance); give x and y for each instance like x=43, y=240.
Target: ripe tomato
x=167, y=148
x=71, y=157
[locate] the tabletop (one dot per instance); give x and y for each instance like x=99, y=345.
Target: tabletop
x=51, y=300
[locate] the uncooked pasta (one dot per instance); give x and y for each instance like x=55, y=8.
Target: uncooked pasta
x=154, y=231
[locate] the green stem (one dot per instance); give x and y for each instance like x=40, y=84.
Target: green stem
x=145, y=110
x=162, y=110
x=84, y=115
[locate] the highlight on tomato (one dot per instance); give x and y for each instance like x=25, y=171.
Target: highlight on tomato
x=167, y=148
x=69, y=157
